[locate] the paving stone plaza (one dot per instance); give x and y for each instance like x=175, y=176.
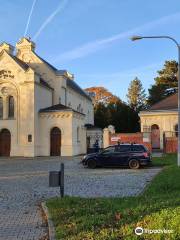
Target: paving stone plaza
x=24, y=184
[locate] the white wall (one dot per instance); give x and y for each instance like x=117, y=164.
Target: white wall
x=165, y=120
x=79, y=145
x=64, y=122
x=43, y=99
x=75, y=99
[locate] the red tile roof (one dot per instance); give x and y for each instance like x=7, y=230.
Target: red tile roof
x=168, y=103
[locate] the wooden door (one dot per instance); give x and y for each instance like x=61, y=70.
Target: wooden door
x=5, y=143
x=155, y=136
x=55, y=139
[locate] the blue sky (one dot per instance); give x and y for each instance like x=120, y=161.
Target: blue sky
x=90, y=38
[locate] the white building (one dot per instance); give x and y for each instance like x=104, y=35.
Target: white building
x=42, y=110
x=161, y=120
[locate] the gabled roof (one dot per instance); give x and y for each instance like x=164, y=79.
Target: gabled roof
x=75, y=87
x=51, y=66
x=70, y=82
x=57, y=71
x=58, y=108
x=24, y=65
x=169, y=103
x=45, y=84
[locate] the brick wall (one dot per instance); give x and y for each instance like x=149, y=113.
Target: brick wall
x=129, y=138
x=171, y=145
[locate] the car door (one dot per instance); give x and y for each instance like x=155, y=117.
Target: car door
x=105, y=157
x=137, y=151
x=121, y=155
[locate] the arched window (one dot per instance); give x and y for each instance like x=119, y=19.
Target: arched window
x=11, y=107
x=1, y=107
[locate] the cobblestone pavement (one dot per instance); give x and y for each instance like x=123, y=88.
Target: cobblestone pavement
x=24, y=184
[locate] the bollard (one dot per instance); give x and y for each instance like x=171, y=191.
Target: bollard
x=62, y=180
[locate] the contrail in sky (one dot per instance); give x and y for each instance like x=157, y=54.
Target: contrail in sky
x=94, y=46
x=50, y=18
x=29, y=18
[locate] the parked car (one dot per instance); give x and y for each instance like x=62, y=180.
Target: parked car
x=131, y=155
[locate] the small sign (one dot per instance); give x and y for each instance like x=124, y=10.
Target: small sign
x=115, y=139
x=146, y=140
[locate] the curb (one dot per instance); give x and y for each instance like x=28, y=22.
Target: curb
x=51, y=229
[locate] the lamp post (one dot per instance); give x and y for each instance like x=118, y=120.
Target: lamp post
x=134, y=38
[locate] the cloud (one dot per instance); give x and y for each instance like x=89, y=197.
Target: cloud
x=29, y=17
x=96, y=45
x=118, y=82
x=48, y=20
x=118, y=76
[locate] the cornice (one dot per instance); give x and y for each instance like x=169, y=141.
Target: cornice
x=56, y=115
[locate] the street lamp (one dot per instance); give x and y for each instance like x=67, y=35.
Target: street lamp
x=134, y=38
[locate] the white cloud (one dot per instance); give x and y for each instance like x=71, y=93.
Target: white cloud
x=50, y=18
x=29, y=17
x=96, y=45
x=117, y=76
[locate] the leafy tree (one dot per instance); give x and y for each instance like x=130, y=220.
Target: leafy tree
x=101, y=95
x=166, y=82
x=119, y=114
x=100, y=118
x=136, y=95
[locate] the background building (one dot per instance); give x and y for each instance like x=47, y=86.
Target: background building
x=161, y=120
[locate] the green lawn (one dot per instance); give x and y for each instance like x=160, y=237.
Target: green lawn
x=116, y=218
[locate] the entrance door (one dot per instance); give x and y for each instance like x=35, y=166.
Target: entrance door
x=55, y=142
x=155, y=136
x=5, y=143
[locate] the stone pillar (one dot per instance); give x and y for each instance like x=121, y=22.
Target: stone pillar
x=83, y=149
x=106, y=137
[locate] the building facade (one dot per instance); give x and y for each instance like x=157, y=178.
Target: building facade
x=161, y=120
x=43, y=111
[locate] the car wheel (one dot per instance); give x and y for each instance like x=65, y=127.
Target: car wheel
x=91, y=164
x=134, y=164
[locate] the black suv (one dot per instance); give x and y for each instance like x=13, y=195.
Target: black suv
x=132, y=155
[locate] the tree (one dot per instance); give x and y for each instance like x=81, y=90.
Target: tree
x=166, y=82
x=100, y=115
x=110, y=110
x=101, y=95
x=136, y=95
x=118, y=114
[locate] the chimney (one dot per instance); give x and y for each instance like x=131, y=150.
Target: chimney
x=7, y=47
x=24, y=47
